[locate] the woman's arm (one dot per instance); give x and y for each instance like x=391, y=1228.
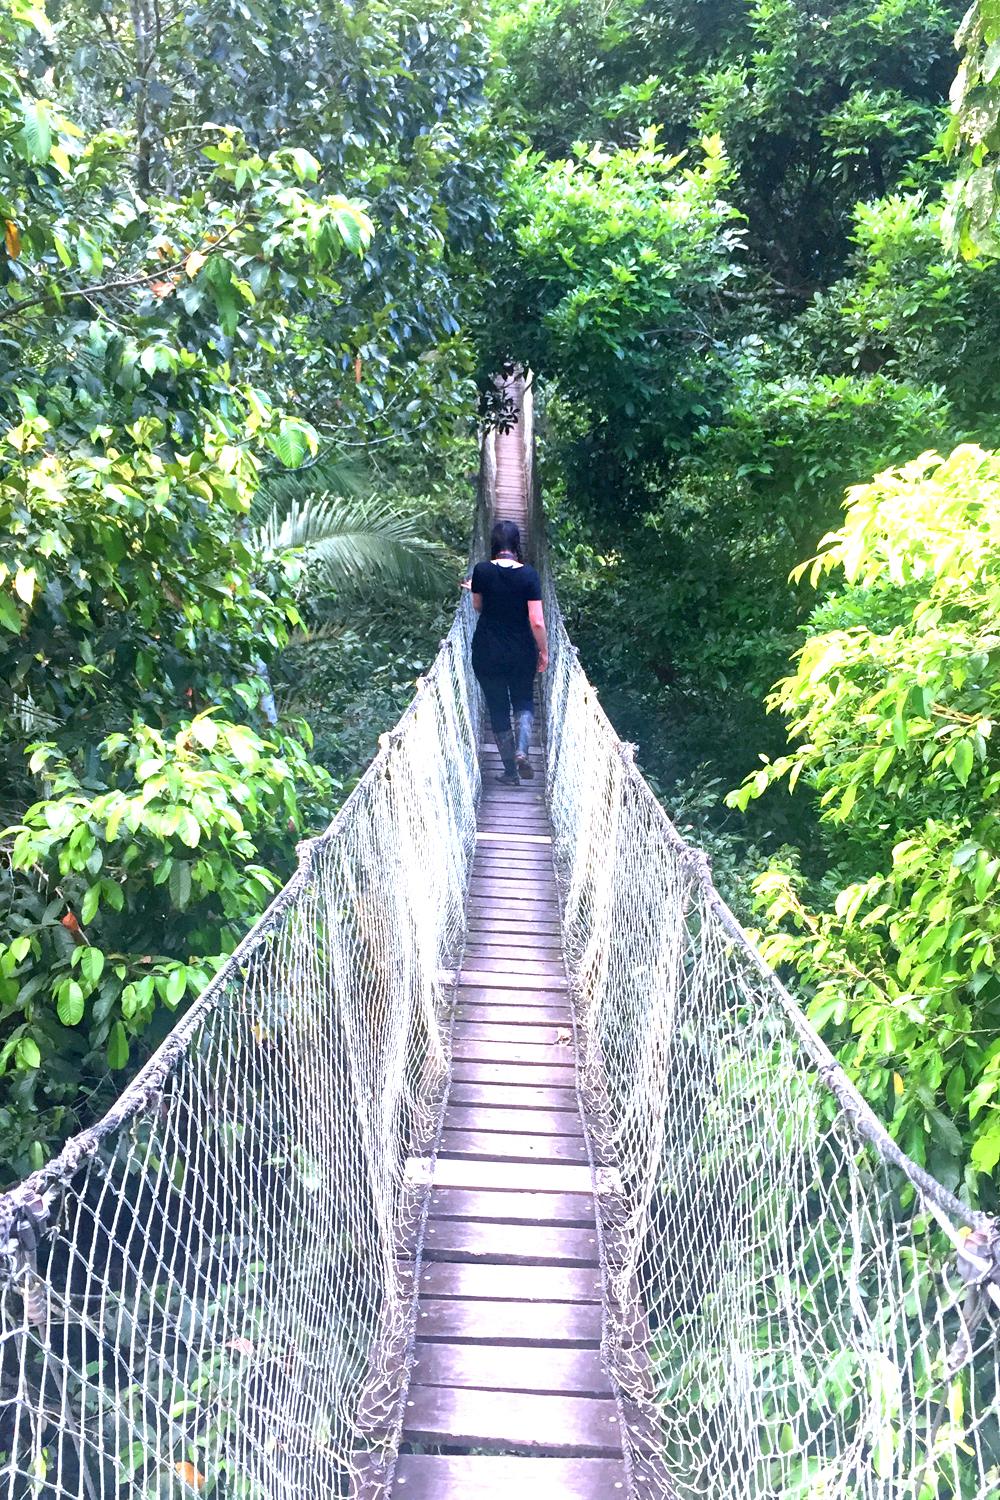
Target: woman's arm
x=536, y=619
x=477, y=603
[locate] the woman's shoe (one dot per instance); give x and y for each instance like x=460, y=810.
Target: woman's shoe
x=507, y=780
x=525, y=769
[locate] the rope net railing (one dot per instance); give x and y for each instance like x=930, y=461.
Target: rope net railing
x=793, y=1307
x=204, y=1293
x=210, y=1292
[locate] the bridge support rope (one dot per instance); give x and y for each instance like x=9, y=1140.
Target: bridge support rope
x=221, y=1287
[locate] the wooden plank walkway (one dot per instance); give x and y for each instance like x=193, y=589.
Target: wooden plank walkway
x=508, y=1392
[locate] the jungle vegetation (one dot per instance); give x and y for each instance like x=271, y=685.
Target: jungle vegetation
x=259, y=266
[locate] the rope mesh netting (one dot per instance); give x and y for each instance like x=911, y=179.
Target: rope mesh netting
x=210, y=1292
x=792, y=1307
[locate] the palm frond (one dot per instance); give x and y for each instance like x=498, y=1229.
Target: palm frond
x=333, y=473
x=350, y=543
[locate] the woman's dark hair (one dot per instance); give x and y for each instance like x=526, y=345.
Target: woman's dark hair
x=505, y=537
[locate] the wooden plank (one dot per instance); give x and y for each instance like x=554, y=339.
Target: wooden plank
x=524, y=964
x=517, y=1015
x=513, y=859
x=558, y=1325
x=510, y=1244
x=492, y=914
x=495, y=927
x=555, y=1372
x=516, y=1177
x=515, y=1002
x=530, y=914
x=511, y=1052
x=512, y=977
x=513, y=1121
x=576, y=1426
x=424, y=1476
x=512, y=812
x=514, y=874
x=496, y=1145
x=544, y=949
x=512, y=816
x=472, y=1282
x=513, y=1096
x=575, y=1210
x=526, y=945
x=523, y=1074
x=486, y=836
x=502, y=861
x=518, y=897
x=507, y=1031
x=521, y=886
x=532, y=797
x=505, y=994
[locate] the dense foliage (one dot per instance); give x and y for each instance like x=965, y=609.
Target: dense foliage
x=253, y=260
x=232, y=242
x=894, y=704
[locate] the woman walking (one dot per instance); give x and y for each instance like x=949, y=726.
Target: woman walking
x=509, y=647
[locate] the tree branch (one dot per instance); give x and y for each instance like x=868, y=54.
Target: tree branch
x=125, y=282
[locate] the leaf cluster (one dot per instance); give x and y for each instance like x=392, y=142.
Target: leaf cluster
x=894, y=703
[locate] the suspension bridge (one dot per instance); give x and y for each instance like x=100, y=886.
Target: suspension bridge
x=495, y=1161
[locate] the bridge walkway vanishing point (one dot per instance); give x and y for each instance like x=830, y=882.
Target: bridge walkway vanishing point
x=508, y=1330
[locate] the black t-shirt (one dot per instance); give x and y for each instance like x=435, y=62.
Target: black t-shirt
x=503, y=641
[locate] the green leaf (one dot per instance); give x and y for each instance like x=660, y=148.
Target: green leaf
x=176, y=986
x=961, y=761
x=986, y=1151
x=292, y=443
x=113, y=894
x=89, y=904
x=117, y=1046
x=27, y=1053
x=9, y=617
x=206, y=732
x=91, y=964
x=70, y=1003
x=882, y=764
x=36, y=133
x=179, y=884
x=349, y=229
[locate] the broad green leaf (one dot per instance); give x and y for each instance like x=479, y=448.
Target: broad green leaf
x=206, y=732
x=9, y=617
x=27, y=1053
x=24, y=584
x=179, y=884
x=962, y=759
x=349, y=229
x=292, y=444
x=118, y=1048
x=36, y=133
x=113, y=894
x=91, y=963
x=882, y=764
x=70, y=1003
x=176, y=986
